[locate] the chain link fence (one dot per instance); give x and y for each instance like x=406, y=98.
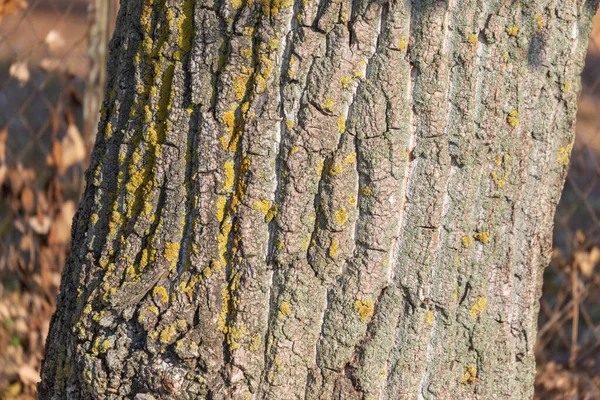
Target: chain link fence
x=52, y=58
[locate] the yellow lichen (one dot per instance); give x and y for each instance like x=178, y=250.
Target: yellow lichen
x=470, y=375
x=345, y=81
x=305, y=243
x=229, y=120
x=403, y=43
x=336, y=169
x=512, y=31
x=328, y=104
x=478, y=307
x=262, y=205
x=221, y=202
x=341, y=124
x=564, y=154
x=513, y=118
x=229, y=171
x=341, y=216
x=334, y=248
x=284, y=309
x=167, y=334
x=105, y=346
x=161, y=292
x=239, y=85
x=352, y=200
x=567, y=87
x=255, y=343
x=429, y=318
x=472, y=38
x=364, y=308
x=172, y=252
x=289, y=124
x=467, y=241
x=349, y=159
x=483, y=237
x=540, y=21
x=272, y=213
x=319, y=167
x=366, y=191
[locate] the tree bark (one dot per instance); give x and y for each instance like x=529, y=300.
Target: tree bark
x=334, y=199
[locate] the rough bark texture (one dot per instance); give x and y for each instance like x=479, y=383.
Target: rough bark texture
x=334, y=199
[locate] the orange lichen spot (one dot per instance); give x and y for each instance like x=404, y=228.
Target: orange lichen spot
x=341, y=124
x=229, y=120
x=472, y=38
x=172, y=252
x=512, y=31
x=284, y=310
x=161, y=292
x=341, y=216
x=345, y=81
x=403, y=43
x=483, y=237
x=470, y=375
x=364, y=308
x=478, y=307
x=239, y=86
x=262, y=205
x=429, y=317
x=334, y=248
x=513, y=118
x=229, y=172
x=221, y=202
x=153, y=309
x=289, y=124
x=328, y=104
x=564, y=154
x=467, y=241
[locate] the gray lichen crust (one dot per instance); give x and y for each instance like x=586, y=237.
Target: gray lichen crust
x=319, y=199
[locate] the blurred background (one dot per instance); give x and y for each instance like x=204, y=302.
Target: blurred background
x=52, y=59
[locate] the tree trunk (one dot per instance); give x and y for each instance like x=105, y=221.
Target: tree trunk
x=335, y=199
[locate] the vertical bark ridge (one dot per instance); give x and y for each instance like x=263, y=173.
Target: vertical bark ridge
x=319, y=199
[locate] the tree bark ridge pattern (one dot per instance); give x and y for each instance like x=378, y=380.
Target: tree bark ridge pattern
x=333, y=199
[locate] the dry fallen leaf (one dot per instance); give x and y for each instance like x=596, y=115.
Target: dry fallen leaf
x=61, y=228
x=73, y=148
x=41, y=227
x=54, y=40
x=586, y=261
x=27, y=199
x=11, y=6
x=50, y=64
x=28, y=375
x=20, y=71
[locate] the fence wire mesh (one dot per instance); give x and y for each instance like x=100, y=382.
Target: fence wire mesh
x=45, y=137
x=44, y=67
